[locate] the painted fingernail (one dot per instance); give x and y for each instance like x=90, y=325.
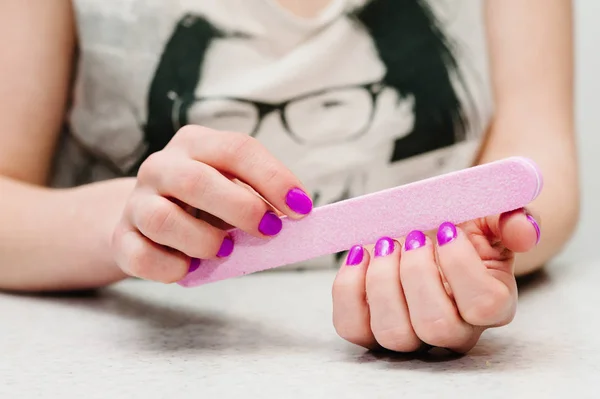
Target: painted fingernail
x=194, y=265
x=226, y=248
x=270, y=224
x=536, y=226
x=355, y=255
x=446, y=233
x=415, y=239
x=298, y=201
x=384, y=247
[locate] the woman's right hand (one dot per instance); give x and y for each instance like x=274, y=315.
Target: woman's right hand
x=158, y=237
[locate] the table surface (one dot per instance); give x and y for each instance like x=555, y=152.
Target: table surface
x=270, y=335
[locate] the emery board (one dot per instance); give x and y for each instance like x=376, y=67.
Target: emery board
x=456, y=197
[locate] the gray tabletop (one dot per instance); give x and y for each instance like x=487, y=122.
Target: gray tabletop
x=270, y=335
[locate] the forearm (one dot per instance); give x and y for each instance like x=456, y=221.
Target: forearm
x=59, y=239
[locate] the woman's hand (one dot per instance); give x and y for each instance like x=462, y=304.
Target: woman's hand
x=160, y=236
x=443, y=291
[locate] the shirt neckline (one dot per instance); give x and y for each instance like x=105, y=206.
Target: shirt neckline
x=326, y=15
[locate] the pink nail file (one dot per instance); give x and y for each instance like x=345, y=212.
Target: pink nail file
x=456, y=197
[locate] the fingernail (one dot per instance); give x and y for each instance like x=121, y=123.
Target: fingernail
x=446, y=233
x=226, y=248
x=298, y=201
x=536, y=226
x=384, y=247
x=415, y=239
x=355, y=255
x=270, y=224
x=194, y=265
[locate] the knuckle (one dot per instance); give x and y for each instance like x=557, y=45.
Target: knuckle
x=243, y=149
x=171, y=272
x=140, y=262
x=157, y=219
x=398, y=339
x=150, y=167
x=188, y=133
x=199, y=239
x=192, y=182
x=240, y=147
x=252, y=211
x=211, y=243
x=140, y=258
x=239, y=142
x=489, y=308
x=270, y=172
x=444, y=332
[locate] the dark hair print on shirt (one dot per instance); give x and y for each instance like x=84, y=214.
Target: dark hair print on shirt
x=419, y=61
x=178, y=73
x=417, y=56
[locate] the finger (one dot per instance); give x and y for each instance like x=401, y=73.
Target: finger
x=433, y=315
x=483, y=297
x=139, y=257
x=205, y=188
x=248, y=160
x=519, y=230
x=390, y=320
x=167, y=224
x=350, y=309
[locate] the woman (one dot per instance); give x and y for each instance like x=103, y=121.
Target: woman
x=142, y=136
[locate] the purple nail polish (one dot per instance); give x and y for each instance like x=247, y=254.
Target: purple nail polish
x=298, y=201
x=194, y=265
x=355, y=255
x=270, y=224
x=226, y=248
x=384, y=247
x=446, y=233
x=415, y=239
x=536, y=226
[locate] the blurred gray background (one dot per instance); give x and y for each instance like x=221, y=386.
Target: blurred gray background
x=587, y=30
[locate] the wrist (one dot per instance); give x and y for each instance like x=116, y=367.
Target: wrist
x=96, y=210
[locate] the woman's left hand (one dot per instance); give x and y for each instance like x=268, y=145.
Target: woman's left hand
x=442, y=292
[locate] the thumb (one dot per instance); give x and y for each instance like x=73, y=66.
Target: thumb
x=519, y=230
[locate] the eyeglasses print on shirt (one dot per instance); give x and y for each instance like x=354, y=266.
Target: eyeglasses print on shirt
x=335, y=114
x=409, y=41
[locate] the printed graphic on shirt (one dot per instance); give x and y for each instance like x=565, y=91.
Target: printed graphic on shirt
x=329, y=136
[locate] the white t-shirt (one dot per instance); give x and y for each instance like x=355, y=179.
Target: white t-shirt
x=367, y=95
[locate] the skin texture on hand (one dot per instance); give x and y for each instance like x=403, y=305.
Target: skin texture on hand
x=442, y=289
x=159, y=239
